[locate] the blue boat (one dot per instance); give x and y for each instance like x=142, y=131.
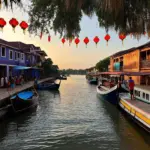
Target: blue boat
x=24, y=101
x=48, y=86
x=108, y=94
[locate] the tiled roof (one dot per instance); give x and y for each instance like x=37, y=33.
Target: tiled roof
x=131, y=49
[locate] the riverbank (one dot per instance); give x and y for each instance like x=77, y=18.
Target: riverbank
x=4, y=93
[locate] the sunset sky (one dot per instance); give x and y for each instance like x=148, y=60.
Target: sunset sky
x=69, y=56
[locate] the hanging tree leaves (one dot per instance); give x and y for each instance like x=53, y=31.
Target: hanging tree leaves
x=64, y=16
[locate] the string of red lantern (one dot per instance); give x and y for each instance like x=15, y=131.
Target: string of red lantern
x=14, y=23
x=63, y=40
x=96, y=40
x=2, y=23
x=77, y=41
x=122, y=37
x=70, y=41
x=24, y=26
x=86, y=41
x=107, y=38
x=49, y=38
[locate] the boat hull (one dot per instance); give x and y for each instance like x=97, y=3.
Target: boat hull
x=130, y=112
x=20, y=105
x=110, y=95
x=48, y=86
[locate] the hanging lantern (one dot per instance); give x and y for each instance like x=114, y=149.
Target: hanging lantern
x=2, y=23
x=96, y=40
x=144, y=33
x=13, y=22
x=49, y=38
x=122, y=37
x=77, y=41
x=86, y=41
x=63, y=40
x=24, y=26
x=107, y=38
x=41, y=35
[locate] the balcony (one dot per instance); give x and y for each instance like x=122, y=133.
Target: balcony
x=145, y=64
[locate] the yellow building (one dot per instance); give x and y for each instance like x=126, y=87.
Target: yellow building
x=135, y=60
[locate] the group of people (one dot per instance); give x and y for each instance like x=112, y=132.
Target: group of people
x=130, y=85
x=11, y=82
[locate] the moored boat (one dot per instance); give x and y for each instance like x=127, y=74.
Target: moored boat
x=48, y=86
x=108, y=94
x=136, y=110
x=24, y=101
x=93, y=80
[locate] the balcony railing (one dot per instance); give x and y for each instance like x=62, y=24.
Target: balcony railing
x=145, y=64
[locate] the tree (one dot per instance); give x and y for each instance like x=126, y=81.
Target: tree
x=102, y=65
x=64, y=16
x=11, y=2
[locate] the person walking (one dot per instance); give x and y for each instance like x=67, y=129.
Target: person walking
x=131, y=87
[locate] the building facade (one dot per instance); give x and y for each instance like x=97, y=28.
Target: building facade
x=17, y=54
x=136, y=59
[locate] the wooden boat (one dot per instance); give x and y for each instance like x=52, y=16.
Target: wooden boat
x=108, y=94
x=48, y=86
x=136, y=110
x=93, y=81
x=24, y=101
x=4, y=108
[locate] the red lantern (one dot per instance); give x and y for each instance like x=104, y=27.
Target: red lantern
x=13, y=22
x=107, y=38
x=2, y=23
x=24, y=26
x=77, y=41
x=86, y=41
x=96, y=40
x=63, y=40
x=49, y=38
x=122, y=37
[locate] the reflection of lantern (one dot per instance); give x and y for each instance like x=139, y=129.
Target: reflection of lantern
x=24, y=26
x=13, y=22
x=2, y=23
x=49, y=38
x=86, y=41
x=107, y=38
x=122, y=37
x=77, y=41
x=63, y=40
x=96, y=40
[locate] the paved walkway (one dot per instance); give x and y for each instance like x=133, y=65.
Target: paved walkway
x=4, y=93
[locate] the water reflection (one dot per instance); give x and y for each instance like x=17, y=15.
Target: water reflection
x=72, y=118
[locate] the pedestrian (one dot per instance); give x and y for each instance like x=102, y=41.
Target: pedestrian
x=131, y=87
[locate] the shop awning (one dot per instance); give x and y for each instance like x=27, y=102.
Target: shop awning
x=21, y=68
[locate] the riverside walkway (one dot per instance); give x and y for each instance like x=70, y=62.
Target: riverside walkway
x=4, y=93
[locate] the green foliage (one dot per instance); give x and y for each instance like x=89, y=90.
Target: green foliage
x=49, y=68
x=10, y=2
x=102, y=65
x=64, y=16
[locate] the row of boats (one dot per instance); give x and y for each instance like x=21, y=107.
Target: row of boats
x=25, y=100
x=138, y=109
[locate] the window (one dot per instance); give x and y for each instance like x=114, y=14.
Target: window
x=10, y=55
x=22, y=56
x=16, y=57
x=144, y=95
x=147, y=97
x=3, y=52
x=137, y=93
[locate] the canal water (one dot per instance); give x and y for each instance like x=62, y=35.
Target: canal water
x=72, y=119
